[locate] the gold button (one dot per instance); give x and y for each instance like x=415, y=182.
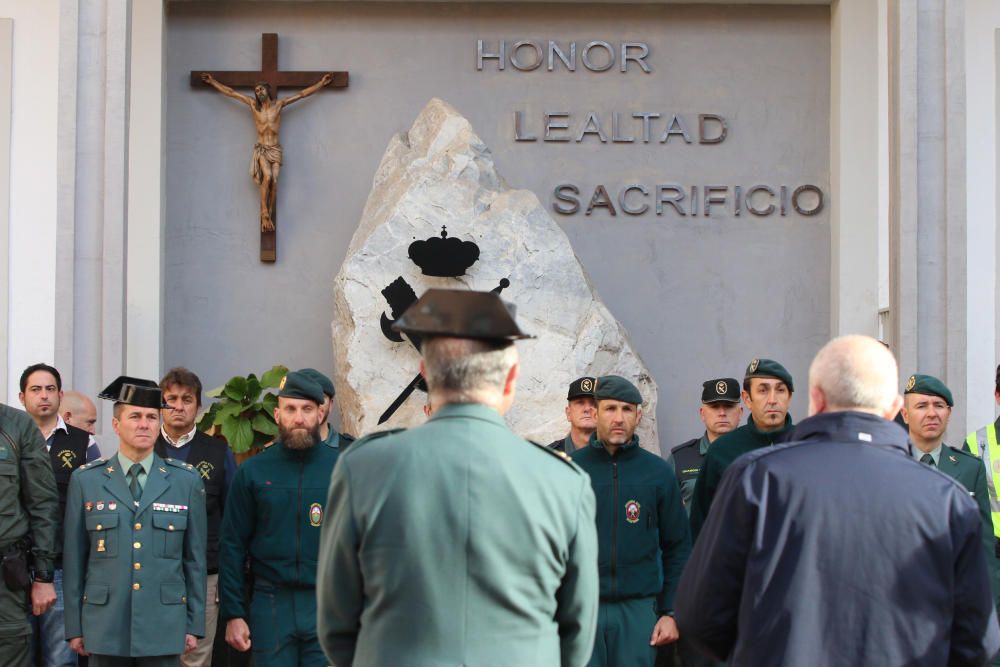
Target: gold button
x=138, y=526
x=137, y=566
x=100, y=527
x=137, y=545
x=136, y=586
x=184, y=598
x=84, y=598
x=170, y=527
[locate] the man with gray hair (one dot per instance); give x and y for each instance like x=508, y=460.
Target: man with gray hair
x=825, y=550
x=457, y=542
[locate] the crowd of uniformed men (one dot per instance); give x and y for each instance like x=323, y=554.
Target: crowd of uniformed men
x=836, y=541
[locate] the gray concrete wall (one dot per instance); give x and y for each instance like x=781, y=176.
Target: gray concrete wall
x=699, y=296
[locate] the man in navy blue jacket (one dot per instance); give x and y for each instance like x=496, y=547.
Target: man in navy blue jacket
x=839, y=548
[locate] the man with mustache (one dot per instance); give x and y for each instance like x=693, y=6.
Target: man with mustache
x=273, y=515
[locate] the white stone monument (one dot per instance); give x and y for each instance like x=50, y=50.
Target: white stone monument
x=440, y=174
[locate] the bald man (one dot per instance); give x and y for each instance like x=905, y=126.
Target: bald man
x=79, y=411
x=839, y=548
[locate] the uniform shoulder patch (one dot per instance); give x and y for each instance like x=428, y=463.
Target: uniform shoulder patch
x=175, y=463
x=377, y=435
x=961, y=452
x=558, y=453
x=93, y=464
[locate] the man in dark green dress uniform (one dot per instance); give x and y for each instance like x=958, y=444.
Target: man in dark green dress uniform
x=329, y=435
x=275, y=508
x=927, y=405
x=581, y=413
x=767, y=392
x=134, y=555
x=28, y=526
x=458, y=542
x=642, y=532
x=720, y=411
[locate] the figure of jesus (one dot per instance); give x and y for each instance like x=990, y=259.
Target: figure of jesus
x=265, y=164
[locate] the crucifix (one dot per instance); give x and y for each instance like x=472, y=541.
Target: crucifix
x=265, y=163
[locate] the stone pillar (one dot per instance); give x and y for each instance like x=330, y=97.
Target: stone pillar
x=92, y=187
x=927, y=193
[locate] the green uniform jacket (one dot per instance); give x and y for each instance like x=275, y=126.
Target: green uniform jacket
x=458, y=543
x=134, y=576
x=29, y=501
x=687, y=460
x=642, y=529
x=969, y=471
x=273, y=514
x=726, y=449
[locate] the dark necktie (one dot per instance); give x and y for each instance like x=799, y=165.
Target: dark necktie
x=133, y=484
x=928, y=459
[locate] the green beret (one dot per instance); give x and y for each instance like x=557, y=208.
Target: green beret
x=617, y=388
x=929, y=386
x=325, y=383
x=769, y=368
x=299, y=385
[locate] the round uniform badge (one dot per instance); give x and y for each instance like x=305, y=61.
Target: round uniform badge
x=753, y=365
x=721, y=388
x=911, y=382
x=632, y=511
x=315, y=515
x=587, y=385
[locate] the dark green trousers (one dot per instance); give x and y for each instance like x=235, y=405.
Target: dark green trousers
x=15, y=632
x=283, y=628
x=623, y=632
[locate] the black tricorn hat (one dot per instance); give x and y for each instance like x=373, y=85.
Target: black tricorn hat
x=460, y=314
x=134, y=391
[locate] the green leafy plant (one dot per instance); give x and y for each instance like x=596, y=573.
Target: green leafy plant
x=244, y=411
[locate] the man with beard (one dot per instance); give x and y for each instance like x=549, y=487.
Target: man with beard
x=273, y=515
x=581, y=413
x=327, y=434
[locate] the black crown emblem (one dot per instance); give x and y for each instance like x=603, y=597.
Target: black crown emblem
x=444, y=257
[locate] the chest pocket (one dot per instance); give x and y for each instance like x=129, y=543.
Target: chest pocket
x=168, y=534
x=104, y=535
x=8, y=483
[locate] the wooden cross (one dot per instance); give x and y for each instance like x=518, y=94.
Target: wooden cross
x=269, y=73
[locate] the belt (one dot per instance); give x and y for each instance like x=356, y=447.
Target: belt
x=264, y=585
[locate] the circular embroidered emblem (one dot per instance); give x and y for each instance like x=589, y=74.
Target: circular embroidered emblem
x=912, y=381
x=315, y=515
x=281, y=385
x=753, y=365
x=721, y=388
x=632, y=511
x=587, y=385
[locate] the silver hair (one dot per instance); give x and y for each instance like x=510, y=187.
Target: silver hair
x=855, y=372
x=462, y=370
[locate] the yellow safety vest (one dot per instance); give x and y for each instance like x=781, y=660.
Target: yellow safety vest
x=983, y=443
